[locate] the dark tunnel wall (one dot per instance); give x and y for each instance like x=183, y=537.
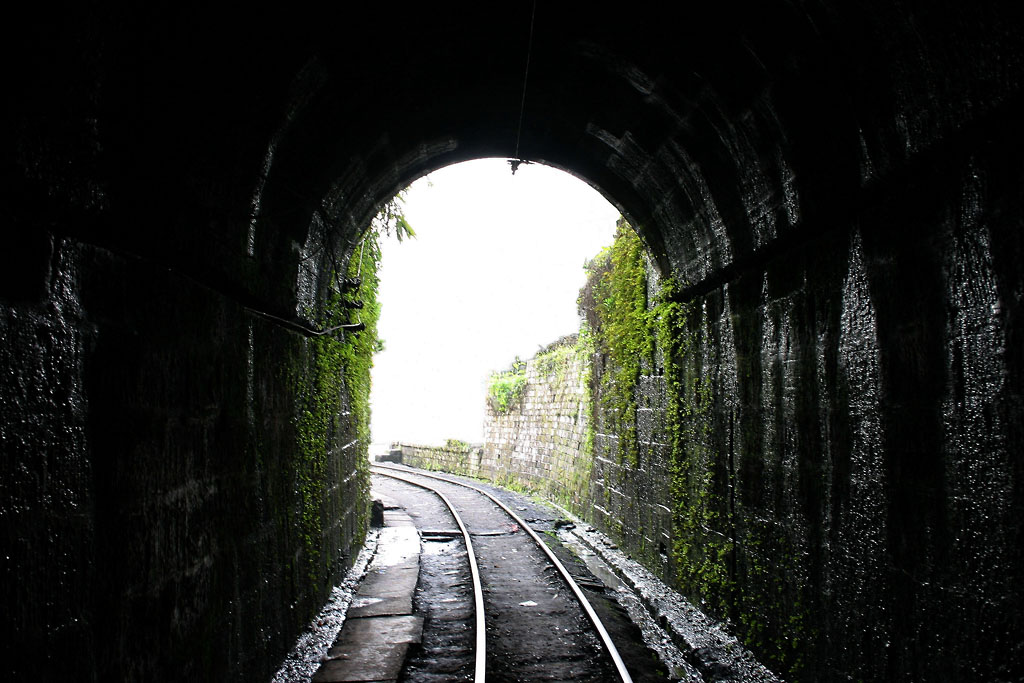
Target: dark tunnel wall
x=153, y=501
x=820, y=467
x=838, y=182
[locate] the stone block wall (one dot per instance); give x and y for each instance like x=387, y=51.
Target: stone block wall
x=539, y=442
x=630, y=501
x=454, y=457
x=548, y=441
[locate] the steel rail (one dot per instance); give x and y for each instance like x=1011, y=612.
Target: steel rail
x=595, y=621
x=478, y=592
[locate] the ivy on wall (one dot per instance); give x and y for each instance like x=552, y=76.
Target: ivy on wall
x=336, y=382
x=504, y=389
x=614, y=305
x=357, y=349
x=631, y=333
x=701, y=552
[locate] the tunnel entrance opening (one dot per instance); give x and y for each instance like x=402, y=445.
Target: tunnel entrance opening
x=493, y=275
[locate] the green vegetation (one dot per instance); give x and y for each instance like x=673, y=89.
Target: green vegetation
x=455, y=457
x=457, y=445
x=735, y=575
x=336, y=380
x=631, y=332
x=504, y=389
x=615, y=304
x=358, y=348
x=556, y=359
x=701, y=549
x=573, y=474
x=586, y=347
x=553, y=368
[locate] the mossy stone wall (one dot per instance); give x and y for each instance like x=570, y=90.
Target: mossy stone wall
x=454, y=457
x=203, y=485
x=822, y=464
x=539, y=442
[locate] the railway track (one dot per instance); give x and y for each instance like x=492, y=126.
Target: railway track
x=555, y=631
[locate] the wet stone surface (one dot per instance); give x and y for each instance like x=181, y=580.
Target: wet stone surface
x=312, y=645
x=444, y=595
x=380, y=627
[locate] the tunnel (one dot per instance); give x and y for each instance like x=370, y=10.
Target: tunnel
x=835, y=186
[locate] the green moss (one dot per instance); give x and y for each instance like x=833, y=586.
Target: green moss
x=512, y=482
x=454, y=457
x=615, y=300
x=627, y=332
x=701, y=550
x=555, y=363
x=773, y=604
x=586, y=348
x=320, y=400
x=504, y=389
x=334, y=380
x=357, y=352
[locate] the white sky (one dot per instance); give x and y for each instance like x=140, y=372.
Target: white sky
x=494, y=272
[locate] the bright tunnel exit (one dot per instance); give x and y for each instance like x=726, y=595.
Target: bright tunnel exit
x=494, y=273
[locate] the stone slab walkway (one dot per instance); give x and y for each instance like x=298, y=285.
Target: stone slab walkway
x=380, y=625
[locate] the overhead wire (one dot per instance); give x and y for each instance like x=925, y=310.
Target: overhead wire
x=516, y=160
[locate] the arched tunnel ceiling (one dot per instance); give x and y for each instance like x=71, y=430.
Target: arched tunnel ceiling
x=717, y=127
x=651, y=107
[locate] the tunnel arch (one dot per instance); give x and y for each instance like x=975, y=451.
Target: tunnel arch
x=684, y=147
x=659, y=266
x=839, y=182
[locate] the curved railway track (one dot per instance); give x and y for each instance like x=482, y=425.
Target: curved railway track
x=615, y=665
